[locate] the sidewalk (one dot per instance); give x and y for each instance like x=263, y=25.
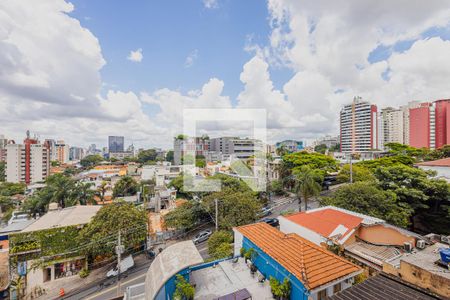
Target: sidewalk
x=73, y=284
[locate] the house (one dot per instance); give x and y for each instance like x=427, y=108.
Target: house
x=384, y=287
x=440, y=166
x=424, y=268
x=370, y=241
x=16, y=225
x=314, y=273
x=37, y=257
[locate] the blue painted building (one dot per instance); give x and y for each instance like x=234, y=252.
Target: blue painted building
x=291, y=145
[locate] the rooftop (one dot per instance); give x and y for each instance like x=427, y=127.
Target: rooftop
x=311, y=264
x=374, y=253
x=16, y=226
x=383, y=287
x=74, y=215
x=169, y=262
x=426, y=259
x=330, y=221
x=228, y=277
x=445, y=162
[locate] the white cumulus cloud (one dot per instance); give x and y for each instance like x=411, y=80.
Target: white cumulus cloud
x=136, y=56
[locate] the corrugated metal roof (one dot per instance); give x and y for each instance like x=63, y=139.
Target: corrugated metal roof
x=16, y=226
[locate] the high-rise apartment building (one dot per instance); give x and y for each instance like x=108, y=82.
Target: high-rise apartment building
x=76, y=153
x=405, y=109
x=3, y=143
x=116, y=143
x=429, y=124
x=442, y=127
x=28, y=162
x=52, y=147
x=62, y=152
x=241, y=148
x=391, y=127
x=358, y=127
x=183, y=145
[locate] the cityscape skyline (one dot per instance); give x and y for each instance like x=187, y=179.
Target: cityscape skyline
x=268, y=64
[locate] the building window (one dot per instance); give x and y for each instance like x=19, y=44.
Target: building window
x=322, y=295
x=337, y=288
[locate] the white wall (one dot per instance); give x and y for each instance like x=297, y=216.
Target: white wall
x=238, y=239
x=441, y=171
x=13, y=163
x=288, y=226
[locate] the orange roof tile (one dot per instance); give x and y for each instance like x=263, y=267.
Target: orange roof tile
x=445, y=162
x=325, y=221
x=311, y=264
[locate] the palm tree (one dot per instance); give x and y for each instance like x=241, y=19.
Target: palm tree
x=84, y=193
x=60, y=190
x=306, y=186
x=282, y=150
x=101, y=190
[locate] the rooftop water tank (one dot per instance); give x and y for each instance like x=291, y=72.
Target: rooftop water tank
x=445, y=255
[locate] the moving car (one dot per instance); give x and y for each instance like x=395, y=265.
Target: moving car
x=271, y=221
x=125, y=264
x=202, y=236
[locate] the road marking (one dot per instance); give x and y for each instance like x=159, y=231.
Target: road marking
x=122, y=283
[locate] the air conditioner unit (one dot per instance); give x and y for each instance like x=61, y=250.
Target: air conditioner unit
x=420, y=244
x=407, y=246
x=445, y=239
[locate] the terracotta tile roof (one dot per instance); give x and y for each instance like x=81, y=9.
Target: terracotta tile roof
x=445, y=162
x=311, y=264
x=326, y=221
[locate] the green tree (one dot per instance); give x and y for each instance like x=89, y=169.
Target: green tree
x=316, y=161
x=84, y=193
x=179, y=183
x=2, y=171
x=186, y=216
x=307, y=185
x=276, y=187
x=282, y=150
x=386, y=161
x=366, y=198
x=101, y=190
x=359, y=173
x=219, y=244
x=147, y=156
x=322, y=148
x=169, y=156
x=11, y=189
x=59, y=189
x=235, y=208
x=91, y=161
x=126, y=186
x=101, y=233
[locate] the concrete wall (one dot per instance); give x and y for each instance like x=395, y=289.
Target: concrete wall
x=441, y=171
x=288, y=226
x=420, y=277
x=382, y=235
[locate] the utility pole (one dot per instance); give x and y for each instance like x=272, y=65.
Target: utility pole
x=217, y=213
x=119, y=250
x=351, y=169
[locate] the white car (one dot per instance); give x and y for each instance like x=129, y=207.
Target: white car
x=125, y=264
x=202, y=236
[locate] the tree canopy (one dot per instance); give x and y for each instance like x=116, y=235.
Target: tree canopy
x=2, y=171
x=367, y=198
x=169, y=156
x=147, y=156
x=101, y=233
x=126, y=186
x=324, y=163
x=91, y=161
x=219, y=244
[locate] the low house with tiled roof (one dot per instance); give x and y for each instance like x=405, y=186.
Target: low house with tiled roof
x=369, y=240
x=313, y=271
x=440, y=166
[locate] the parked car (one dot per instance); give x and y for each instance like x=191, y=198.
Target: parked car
x=125, y=264
x=272, y=221
x=202, y=236
x=265, y=211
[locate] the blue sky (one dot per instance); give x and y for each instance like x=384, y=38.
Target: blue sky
x=167, y=36
x=310, y=57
